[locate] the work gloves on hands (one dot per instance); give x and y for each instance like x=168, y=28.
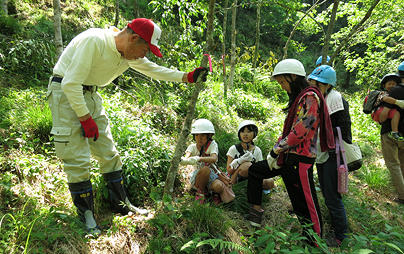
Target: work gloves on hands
x=193, y=75
x=90, y=128
x=248, y=156
x=272, y=160
x=190, y=160
x=400, y=103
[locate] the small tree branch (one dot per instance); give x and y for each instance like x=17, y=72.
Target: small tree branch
x=285, y=48
x=329, y=32
x=344, y=43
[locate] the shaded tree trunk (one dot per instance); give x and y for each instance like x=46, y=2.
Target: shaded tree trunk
x=56, y=25
x=116, y=13
x=344, y=43
x=347, y=80
x=226, y=3
x=181, y=142
x=257, y=34
x=324, y=52
x=3, y=6
x=233, y=43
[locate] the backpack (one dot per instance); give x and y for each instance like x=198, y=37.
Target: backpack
x=240, y=150
x=370, y=100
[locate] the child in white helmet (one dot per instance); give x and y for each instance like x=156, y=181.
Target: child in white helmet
x=241, y=156
x=202, y=156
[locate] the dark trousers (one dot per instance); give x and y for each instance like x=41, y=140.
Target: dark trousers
x=328, y=178
x=298, y=179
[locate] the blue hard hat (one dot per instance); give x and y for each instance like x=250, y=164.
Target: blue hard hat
x=324, y=74
x=320, y=59
x=401, y=66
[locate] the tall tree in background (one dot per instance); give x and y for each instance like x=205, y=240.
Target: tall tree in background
x=3, y=6
x=182, y=139
x=116, y=13
x=330, y=28
x=233, y=43
x=57, y=28
x=257, y=34
x=226, y=4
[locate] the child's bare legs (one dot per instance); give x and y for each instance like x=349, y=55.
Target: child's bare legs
x=394, y=121
x=393, y=114
x=202, y=179
x=217, y=186
x=384, y=114
x=243, y=169
x=267, y=184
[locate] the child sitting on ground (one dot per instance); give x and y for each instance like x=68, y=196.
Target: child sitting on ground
x=384, y=105
x=241, y=156
x=202, y=156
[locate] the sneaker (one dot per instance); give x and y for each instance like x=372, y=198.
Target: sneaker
x=216, y=199
x=399, y=200
x=396, y=136
x=254, y=217
x=199, y=196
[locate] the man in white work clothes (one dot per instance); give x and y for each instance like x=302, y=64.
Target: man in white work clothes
x=80, y=127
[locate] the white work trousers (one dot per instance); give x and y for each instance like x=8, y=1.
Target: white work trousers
x=70, y=144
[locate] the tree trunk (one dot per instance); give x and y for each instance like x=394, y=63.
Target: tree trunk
x=226, y=3
x=3, y=6
x=57, y=28
x=324, y=52
x=233, y=43
x=354, y=29
x=257, y=34
x=347, y=80
x=116, y=13
x=181, y=143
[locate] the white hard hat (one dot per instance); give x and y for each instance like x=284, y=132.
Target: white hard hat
x=202, y=126
x=289, y=66
x=246, y=123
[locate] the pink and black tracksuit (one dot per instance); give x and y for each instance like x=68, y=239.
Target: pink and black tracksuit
x=298, y=144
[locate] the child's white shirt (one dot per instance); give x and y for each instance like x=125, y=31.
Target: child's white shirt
x=212, y=149
x=233, y=152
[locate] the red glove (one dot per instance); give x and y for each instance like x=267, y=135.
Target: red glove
x=90, y=128
x=193, y=75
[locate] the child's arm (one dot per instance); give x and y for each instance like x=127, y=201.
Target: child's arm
x=228, y=167
x=389, y=100
x=209, y=159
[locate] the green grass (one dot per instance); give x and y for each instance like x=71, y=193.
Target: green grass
x=34, y=192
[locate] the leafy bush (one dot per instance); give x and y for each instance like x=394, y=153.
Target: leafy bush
x=27, y=116
x=9, y=25
x=145, y=153
x=250, y=106
x=30, y=59
x=181, y=222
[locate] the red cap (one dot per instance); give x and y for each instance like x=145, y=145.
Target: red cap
x=148, y=31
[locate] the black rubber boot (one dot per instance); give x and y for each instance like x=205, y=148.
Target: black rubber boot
x=82, y=195
x=117, y=195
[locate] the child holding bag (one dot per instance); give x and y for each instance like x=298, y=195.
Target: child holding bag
x=202, y=156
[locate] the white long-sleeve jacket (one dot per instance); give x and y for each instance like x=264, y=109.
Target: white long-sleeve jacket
x=92, y=59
